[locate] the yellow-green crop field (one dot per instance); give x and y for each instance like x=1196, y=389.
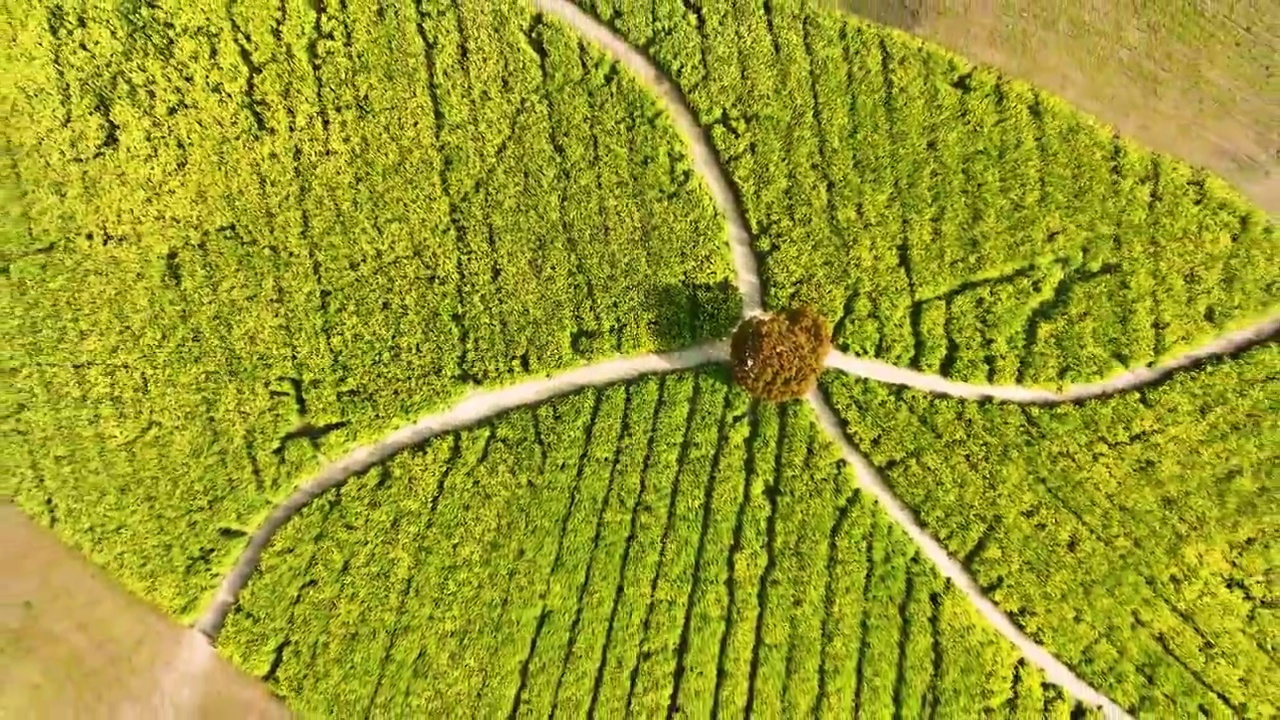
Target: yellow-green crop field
x=242, y=238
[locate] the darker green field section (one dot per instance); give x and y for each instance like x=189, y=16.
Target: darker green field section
x=238, y=237
x=1135, y=537
x=664, y=547
x=949, y=218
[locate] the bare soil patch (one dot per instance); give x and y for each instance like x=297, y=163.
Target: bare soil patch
x=1200, y=81
x=73, y=644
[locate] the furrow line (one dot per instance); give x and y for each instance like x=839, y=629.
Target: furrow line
x=624, y=422
x=686, y=629
x=681, y=457
x=626, y=552
x=935, y=642
x=555, y=558
x=899, y=682
x=771, y=561
x=828, y=600
x=863, y=612
x=735, y=550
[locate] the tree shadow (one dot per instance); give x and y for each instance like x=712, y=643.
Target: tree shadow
x=684, y=315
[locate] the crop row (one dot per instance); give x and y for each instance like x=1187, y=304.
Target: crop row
x=661, y=547
x=1134, y=536
x=949, y=217
x=246, y=234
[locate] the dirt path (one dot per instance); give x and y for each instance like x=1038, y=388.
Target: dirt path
x=1226, y=344
x=1054, y=670
x=705, y=161
x=470, y=410
x=707, y=164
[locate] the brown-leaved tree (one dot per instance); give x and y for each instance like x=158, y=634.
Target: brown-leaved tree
x=778, y=356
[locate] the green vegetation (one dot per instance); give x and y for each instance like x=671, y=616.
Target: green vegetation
x=668, y=544
x=1135, y=537
x=236, y=236
x=950, y=218
x=779, y=356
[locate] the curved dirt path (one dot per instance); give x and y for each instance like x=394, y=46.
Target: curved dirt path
x=705, y=161
x=470, y=410
x=1054, y=670
x=1227, y=344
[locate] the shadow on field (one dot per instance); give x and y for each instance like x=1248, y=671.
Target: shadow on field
x=903, y=14
x=684, y=315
